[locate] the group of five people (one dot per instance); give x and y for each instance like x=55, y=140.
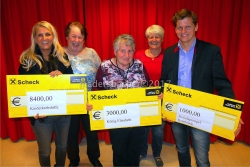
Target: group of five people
x=190, y=63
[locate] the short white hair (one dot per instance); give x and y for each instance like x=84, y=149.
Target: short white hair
x=155, y=29
x=127, y=39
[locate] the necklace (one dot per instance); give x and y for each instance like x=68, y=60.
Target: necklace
x=122, y=75
x=151, y=55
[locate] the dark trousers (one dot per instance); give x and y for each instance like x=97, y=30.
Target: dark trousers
x=126, y=145
x=93, y=150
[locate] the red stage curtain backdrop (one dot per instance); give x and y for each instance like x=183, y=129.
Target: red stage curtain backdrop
x=17, y=20
x=221, y=22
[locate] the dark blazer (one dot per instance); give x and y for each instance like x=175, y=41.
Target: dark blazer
x=207, y=69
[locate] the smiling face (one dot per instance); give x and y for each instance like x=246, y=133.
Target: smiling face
x=124, y=55
x=44, y=39
x=75, y=40
x=185, y=30
x=154, y=41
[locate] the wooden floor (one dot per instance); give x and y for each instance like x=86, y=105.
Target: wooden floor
x=24, y=153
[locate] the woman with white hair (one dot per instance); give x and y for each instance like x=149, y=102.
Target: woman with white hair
x=152, y=60
x=122, y=72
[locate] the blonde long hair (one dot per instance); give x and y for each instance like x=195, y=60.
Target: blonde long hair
x=29, y=58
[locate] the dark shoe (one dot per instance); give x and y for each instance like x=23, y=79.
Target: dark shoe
x=73, y=164
x=96, y=163
x=142, y=157
x=158, y=162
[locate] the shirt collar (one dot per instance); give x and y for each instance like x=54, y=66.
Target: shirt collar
x=191, y=48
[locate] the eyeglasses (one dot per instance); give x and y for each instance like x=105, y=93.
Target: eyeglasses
x=187, y=28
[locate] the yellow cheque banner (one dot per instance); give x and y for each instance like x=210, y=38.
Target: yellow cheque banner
x=211, y=113
x=124, y=108
x=31, y=94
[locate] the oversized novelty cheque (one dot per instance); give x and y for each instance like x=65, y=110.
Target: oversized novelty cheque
x=31, y=94
x=211, y=113
x=124, y=108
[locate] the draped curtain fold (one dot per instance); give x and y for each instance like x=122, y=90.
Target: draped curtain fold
x=17, y=20
x=221, y=22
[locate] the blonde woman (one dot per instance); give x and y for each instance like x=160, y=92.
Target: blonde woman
x=46, y=56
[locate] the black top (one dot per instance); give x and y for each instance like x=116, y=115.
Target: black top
x=47, y=66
